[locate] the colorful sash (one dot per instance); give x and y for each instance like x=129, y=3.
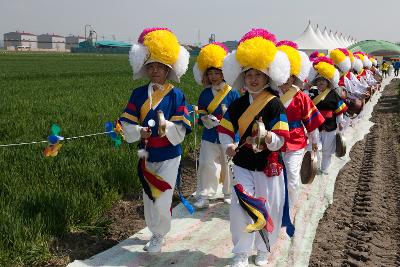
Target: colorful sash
x=218, y=98
x=251, y=112
x=321, y=96
x=152, y=184
x=255, y=208
x=157, y=96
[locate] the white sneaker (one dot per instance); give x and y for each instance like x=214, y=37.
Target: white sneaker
x=227, y=199
x=261, y=258
x=240, y=260
x=202, y=203
x=155, y=244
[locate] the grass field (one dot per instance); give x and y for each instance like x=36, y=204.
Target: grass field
x=41, y=198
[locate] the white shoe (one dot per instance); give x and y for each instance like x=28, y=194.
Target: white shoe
x=227, y=199
x=261, y=258
x=155, y=244
x=202, y=203
x=240, y=260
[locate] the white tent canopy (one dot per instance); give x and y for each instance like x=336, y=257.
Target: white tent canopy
x=333, y=44
x=311, y=40
x=327, y=44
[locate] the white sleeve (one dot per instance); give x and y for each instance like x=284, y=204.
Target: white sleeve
x=277, y=142
x=208, y=123
x=314, y=136
x=131, y=131
x=175, y=132
x=340, y=119
x=370, y=79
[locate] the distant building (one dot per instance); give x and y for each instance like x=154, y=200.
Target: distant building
x=13, y=40
x=51, y=42
x=73, y=41
x=231, y=45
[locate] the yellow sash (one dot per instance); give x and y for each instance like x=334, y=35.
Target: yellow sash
x=321, y=96
x=218, y=98
x=287, y=97
x=251, y=112
x=157, y=96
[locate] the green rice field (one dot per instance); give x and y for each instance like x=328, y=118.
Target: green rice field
x=42, y=198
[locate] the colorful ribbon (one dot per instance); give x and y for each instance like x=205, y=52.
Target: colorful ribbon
x=255, y=208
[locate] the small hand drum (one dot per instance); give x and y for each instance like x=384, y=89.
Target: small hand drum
x=308, y=167
x=340, y=146
x=258, y=134
x=162, y=124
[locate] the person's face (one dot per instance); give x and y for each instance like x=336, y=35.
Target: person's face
x=286, y=86
x=215, y=76
x=255, y=80
x=157, y=72
x=322, y=84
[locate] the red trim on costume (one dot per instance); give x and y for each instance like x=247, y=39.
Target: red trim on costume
x=327, y=114
x=152, y=179
x=274, y=168
x=131, y=107
x=158, y=142
x=223, y=130
x=182, y=108
x=284, y=133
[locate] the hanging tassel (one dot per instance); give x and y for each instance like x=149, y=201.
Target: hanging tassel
x=255, y=208
x=184, y=201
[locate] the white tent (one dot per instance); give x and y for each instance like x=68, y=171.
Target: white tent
x=346, y=39
x=341, y=41
x=332, y=36
x=327, y=44
x=332, y=43
x=309, y=40
x=338, y=40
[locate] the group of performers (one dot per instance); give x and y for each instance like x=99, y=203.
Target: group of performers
x=253, y=143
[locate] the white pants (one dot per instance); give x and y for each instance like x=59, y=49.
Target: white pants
x=258, y=185
x=293, y=160
x=158, y=213
x=346, y=122
x=328, y=141
x=213, y=166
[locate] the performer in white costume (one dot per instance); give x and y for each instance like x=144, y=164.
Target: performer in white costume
x=157, y=57
x=258, y=208
x=325, y=76
x=213, y=102
x=301, y=113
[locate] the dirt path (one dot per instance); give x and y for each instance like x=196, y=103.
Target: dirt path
x=362, y=226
